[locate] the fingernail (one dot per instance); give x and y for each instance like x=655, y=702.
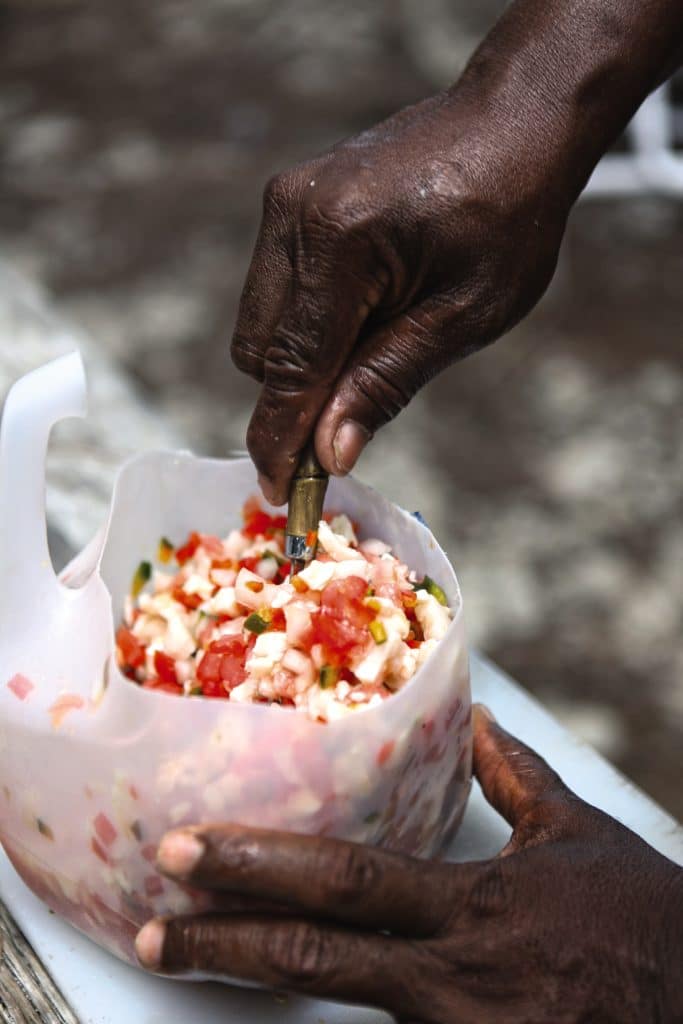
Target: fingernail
x=179, y=853
x=349, y=441
x=149, y=944
x=486, y=712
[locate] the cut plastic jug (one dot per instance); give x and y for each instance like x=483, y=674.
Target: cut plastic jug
x=94, y=769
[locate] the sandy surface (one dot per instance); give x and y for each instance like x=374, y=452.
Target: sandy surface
x=136, y=139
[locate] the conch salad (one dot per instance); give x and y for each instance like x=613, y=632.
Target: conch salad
x=224, y=618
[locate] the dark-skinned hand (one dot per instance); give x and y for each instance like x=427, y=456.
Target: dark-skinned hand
x=377, y=266
x=405, y=248
x=577, y=920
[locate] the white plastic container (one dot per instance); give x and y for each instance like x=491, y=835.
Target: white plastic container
x=93, y=769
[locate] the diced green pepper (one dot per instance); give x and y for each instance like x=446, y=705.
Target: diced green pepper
x=329, y=676
x=371, y=818
x=196, y=691
x=256, y=624
x=432, y=588
x=143, y=574
x=379, y=633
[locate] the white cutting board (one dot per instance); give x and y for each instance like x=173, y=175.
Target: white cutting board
x=102, y=990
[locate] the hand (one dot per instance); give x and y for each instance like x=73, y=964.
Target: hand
x=377, y=266
x=576, y=920
x=415, y=243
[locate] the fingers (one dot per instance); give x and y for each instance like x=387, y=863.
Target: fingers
x=263, y=298
x=292, y=954
x=265, y=289
x=306, y=352
x=342, y=881
x=514, y=779
x=313, y=279
x=381, y=376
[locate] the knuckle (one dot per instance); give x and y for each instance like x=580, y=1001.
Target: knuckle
x=246, y=356
x=287, y=369
x=194, y=943
x=387, y=393
x=299, y=954
x=336, y=211
x=491, y=893
x=278, y=194
x=294, y=362
x=356, y=876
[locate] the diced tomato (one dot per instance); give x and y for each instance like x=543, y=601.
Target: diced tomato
x=189, y=548
x=277, y=620
x=131, y=650
x=257, y=524
x=189, y=601
x=343, y=619
x=164, y=666
x=222, y=667
x=249, y=563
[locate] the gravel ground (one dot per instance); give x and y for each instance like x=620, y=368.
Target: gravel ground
x=136, y=139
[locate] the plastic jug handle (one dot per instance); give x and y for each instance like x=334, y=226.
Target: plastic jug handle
x=34, y=404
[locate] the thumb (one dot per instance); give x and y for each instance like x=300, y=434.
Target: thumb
x=513, y=778
x=381, y=376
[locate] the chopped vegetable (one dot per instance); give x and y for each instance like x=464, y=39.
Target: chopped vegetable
x=165, y=550
x=329, y=677
x=189, y=549
x=229, y=622
x=143, y=574
x=434, y=589
x=131, y=651
x=255, y=623
x=164, y=666
x=379, y=633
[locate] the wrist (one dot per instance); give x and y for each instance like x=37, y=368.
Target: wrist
x=558, y=80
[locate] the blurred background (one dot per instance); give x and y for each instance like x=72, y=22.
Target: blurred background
x=136, y=139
